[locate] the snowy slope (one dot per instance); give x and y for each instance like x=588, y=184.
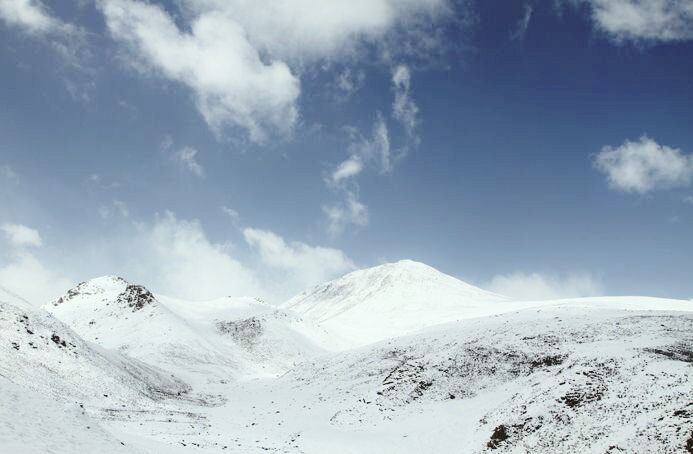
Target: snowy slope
x=30, y=422
x=389, y=300
x=43, y=354
x=558, y=379
x=217, y=340
x=118, y=315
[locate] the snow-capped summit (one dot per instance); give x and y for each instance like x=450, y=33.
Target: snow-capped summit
x=116, y=314
x=107, y=289
x=389, y=300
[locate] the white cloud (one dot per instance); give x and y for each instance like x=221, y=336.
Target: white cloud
x=175, y=257
x=649, y=20
x=300, y=263
x=21, y=235
x=185, y=159
x=309, y=30
x=523, y=24
x=32, y=16
x=644, y=165
x=537, y=286
x=236, y=56
x=27, y=277
x=231, y=84
x=688, y=199
x=347, y=169
x=350, y=211
x=375, y=148
x=404, y=109
x=22, y=273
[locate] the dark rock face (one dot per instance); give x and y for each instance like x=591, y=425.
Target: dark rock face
x=499, y=435
x=68, y=296
x=136, y=297
x=246, y=331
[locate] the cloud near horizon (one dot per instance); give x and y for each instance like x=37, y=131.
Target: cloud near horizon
x=539, y=286
x=174, y=257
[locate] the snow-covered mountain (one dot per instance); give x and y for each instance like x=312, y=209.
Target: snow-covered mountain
x=43, y=354
x=57, y=391
x=221, y=339
x=397, y=358
x=390, y=300
x=557, y=379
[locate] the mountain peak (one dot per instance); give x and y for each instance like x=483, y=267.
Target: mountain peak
x=390, y=299
x=109, y=289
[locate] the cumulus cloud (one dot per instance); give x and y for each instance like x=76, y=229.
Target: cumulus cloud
x=648, y=20
x=300, y=263
x=309, y=30
x=644, y=165
x=176, y=257
x=241, y=59
x=537, y=286
x=230, y=82
x=21, y=235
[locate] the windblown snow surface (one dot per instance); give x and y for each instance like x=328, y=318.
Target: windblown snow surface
x=398, y=358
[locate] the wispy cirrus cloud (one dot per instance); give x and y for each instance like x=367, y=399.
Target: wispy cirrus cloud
x=32, y=16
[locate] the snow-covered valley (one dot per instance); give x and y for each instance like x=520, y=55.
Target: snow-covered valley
x=396, y=358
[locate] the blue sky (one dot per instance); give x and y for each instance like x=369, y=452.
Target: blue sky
x=541, y=149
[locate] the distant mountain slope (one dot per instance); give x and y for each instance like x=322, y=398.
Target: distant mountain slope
x=217, y=340
x=389, y=300
x=401, y=298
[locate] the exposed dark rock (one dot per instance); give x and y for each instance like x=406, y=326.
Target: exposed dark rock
x=675, y=352
x=547, y=361
x=499, y=435
x=245, y=332
x=136, y=297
